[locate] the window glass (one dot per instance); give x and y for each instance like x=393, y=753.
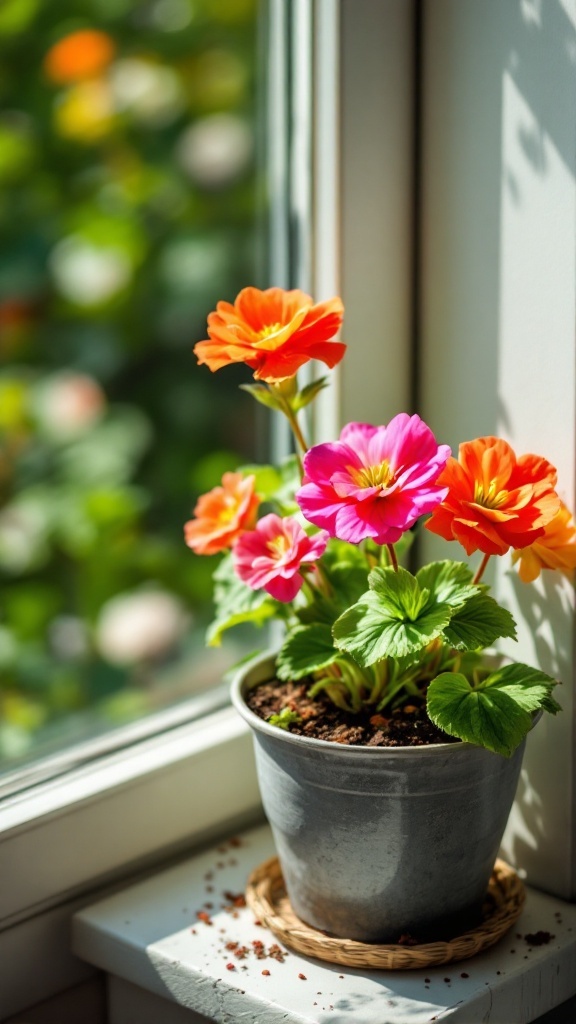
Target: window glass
x=129, y=205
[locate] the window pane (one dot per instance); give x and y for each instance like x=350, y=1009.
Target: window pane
x=128, y=207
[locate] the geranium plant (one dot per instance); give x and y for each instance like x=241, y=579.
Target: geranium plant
x=318, y=541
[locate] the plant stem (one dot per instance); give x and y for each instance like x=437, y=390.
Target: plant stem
x=370, y=557
x=481, y=568
x=393, y=558
x=294, y=426
x=324, y=587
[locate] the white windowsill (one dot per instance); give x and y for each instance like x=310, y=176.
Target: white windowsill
x=148, y=938
x=87, y=827
x=93, y=827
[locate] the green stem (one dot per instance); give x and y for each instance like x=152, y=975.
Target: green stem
x=394, y=687
x=325, y=588
x=380, y=676
x=370, y=557
x=481, y=568
x=290, y=415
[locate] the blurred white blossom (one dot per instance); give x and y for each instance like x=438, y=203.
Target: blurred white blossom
x=140, y=626
x=89, y=274
x=216, y=150
x=69, y=403
x=150, y=92
x=24, y=526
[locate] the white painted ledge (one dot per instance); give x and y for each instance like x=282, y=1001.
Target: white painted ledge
x=166, y=964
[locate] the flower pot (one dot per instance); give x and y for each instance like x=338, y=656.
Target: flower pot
x=378, y=842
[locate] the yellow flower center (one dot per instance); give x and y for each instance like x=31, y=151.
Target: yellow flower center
x=279, y=546
x=373, y=476
x=228, y=510
x=268, y=330
x=492, y=498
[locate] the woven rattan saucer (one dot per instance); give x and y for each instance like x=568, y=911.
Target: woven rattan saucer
x=266, y=896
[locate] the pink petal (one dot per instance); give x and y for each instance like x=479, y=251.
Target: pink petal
x=324, y=460
x=358, y=438
x=284, y=589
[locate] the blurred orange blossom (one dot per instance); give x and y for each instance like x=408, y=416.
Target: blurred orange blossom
x=79, y=55
x=222, y=515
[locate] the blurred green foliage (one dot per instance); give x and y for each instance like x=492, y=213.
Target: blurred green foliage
x=129, y=205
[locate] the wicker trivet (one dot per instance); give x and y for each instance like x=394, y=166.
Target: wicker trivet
x=266, y=896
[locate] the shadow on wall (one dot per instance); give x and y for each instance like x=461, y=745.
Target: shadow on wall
x=468, y=178
x=496, y=353
x=550, y=601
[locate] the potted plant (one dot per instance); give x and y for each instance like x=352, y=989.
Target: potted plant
x=388, y=740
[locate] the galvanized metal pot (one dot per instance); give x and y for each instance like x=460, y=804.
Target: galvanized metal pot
x=377, y=842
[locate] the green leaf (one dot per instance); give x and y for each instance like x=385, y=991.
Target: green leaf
x=318, y=609
x=267, y=479
x=346, y=570
x=349, y=585
x=488, y=718
x=448, y=582
x=236, y=603
x=498, y=712
x=262, y=394
x=284, y=719
x=399, y=592
x=478, y=624
x=305, y=650
x=275, y=483
x=529, y=687
x=341, y=554
x=258, y=608
x=392, y=620
x=308, y=393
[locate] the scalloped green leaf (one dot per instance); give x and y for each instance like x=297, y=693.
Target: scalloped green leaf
x=392, y=620
x=478, y=624
x=306, y=649
x=489, y=718
x=399, y=592
x=529, y=687
x=448, y=582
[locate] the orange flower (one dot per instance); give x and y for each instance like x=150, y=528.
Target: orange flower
x=274, y=332
x=79, y=55
x=222, y=515
x=495, y=501
x=556, y=549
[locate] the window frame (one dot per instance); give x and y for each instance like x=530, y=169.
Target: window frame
x=312, y=111
x=161, y=781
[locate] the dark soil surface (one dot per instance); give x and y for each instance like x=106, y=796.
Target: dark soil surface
x=408, y=726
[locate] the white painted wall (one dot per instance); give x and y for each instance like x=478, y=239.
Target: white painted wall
x=498, y=324
x=376, y=211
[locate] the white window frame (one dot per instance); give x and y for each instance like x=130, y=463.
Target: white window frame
x=67, y=838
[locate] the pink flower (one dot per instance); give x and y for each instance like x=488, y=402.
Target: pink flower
x=270, y=557
x=375, y=481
